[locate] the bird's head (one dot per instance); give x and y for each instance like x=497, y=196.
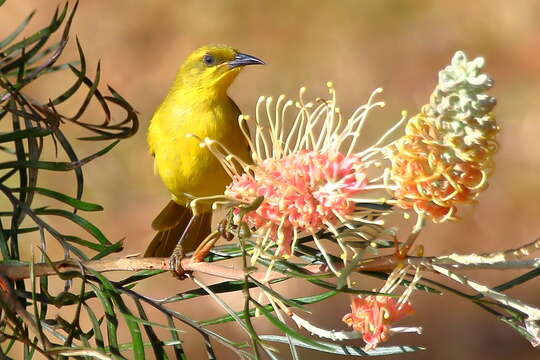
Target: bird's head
x=214, y=66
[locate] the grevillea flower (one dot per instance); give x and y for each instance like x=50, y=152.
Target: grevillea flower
x=307, y=171
x=373, y=315
x=445, y=157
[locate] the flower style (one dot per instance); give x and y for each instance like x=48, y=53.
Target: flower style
x=445, y=156
x=307, y=171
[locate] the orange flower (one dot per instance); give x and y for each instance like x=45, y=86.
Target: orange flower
x=445, y=157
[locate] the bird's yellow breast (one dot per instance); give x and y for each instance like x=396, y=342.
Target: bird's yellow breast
x=187, y=169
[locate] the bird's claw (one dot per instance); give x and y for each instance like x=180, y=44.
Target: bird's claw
x=175, y=266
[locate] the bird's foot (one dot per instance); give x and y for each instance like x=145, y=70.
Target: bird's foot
x=175, y=265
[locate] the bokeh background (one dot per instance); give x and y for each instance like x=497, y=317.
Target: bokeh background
x=360, y=45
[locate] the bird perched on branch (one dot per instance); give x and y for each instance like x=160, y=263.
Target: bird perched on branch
x=196, y=104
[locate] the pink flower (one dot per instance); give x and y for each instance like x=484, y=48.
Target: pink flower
x=372, y=316
x=309, y=172
x=303, y=192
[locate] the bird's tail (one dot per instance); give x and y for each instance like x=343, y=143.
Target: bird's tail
x=170, y=225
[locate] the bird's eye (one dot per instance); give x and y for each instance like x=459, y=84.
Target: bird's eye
x=209, y=60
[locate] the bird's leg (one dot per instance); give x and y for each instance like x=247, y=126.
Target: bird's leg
x=178, y=254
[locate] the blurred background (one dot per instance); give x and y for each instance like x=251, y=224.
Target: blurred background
x=359, y=45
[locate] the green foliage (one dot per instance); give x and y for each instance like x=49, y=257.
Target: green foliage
x=32, y=130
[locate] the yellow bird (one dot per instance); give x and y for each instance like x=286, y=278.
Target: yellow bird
x=197, y=103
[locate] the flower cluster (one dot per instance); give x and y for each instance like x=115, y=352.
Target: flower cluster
x=445, y=157
x=373, y=315
x=308, y=178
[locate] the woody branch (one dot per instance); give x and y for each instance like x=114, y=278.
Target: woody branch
x=509, y=259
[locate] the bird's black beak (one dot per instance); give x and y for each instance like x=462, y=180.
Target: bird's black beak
x=243, y=60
